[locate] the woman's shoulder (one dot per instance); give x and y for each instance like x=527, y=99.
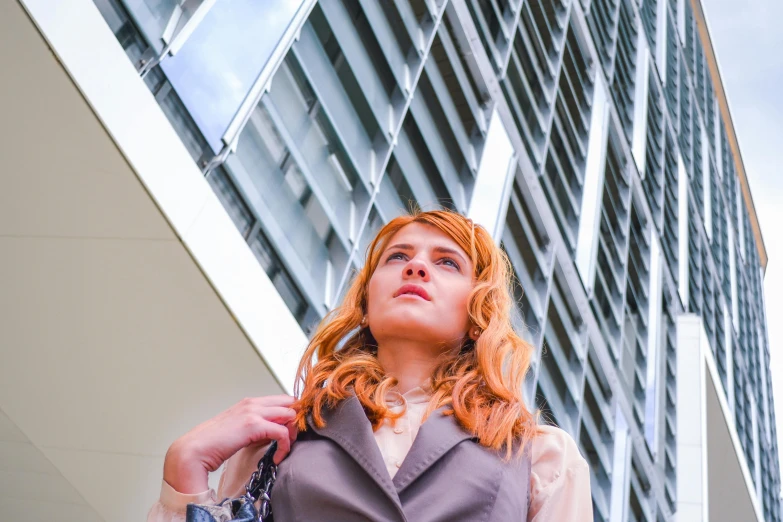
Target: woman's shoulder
x=553, y=454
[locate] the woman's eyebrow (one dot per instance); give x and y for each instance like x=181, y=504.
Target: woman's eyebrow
x=400, y=246
x=438, y=249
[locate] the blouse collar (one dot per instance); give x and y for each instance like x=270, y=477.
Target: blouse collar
x=417, y=395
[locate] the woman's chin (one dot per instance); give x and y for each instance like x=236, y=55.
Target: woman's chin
x=410, y=327
x=409, y=318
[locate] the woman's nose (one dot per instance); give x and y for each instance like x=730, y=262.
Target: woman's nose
x=416, y=268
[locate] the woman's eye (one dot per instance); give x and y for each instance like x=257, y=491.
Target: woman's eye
x=396, y=255
x=451, y=262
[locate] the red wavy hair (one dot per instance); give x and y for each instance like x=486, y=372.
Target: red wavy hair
x=482, y=381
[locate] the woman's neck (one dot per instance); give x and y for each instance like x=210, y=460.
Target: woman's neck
x=410, y=363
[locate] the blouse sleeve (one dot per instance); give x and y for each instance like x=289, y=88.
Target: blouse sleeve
x=559, y=479
x=172, y=505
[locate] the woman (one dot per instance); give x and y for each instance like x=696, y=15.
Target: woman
x=410, y=403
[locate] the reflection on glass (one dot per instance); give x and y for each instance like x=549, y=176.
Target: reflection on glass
x=220, y=62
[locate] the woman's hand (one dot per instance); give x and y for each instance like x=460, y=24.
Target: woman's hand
x=252, y=421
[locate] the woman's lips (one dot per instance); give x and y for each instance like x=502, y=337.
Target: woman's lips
x=411, y=289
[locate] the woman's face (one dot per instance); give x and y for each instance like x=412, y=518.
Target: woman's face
x=420, y=288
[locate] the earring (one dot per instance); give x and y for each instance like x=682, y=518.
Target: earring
x=364, y=321
x=476, y=332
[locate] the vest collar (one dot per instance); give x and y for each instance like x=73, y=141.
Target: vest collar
x=436, y=437
x=348, y=426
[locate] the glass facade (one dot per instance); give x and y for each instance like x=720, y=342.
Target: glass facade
x=620, y=203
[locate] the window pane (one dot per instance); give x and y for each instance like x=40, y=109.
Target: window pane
x=219, y=63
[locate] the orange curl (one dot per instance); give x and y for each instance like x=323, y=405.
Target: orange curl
x=482, y=382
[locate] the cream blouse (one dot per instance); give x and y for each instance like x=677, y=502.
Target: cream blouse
x=559, y=478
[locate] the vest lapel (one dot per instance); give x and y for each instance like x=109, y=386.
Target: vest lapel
x=439, y=434
x=348, y=426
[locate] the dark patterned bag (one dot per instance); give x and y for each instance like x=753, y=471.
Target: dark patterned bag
x=243, y=509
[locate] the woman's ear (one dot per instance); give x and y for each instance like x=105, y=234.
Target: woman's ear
x=474, y=333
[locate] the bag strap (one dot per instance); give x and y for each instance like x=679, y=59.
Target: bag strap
x=261, y=481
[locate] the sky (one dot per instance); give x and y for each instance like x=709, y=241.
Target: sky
x=748, y=43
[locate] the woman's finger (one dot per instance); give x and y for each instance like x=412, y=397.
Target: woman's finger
x=277, y=414
x=280, y=434
x=276, y=400
x=293, y=430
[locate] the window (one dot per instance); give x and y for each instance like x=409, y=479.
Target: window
x=283, y=282
x=652, y=407
x=228, y=52
x=563, y=357
x=673, y=79
x=415, y=158
x=720, y=237
x=458, y=75
x=496, y=173
x=670, y=227
x=639, y=503
x=495, y=20
x=602, y=20
x=669, y=345
x=653, y=182
x=399, y=186
x=697, y=167
x=139, y=52
x=527, y=245
x=596, y=435
x=612, y=248
x=636, y=351
x=624, y=79
x=529, y=85
x=586, y=246
x=564, y=170
x=685, y=134
x=312, y=219
x=649, y=12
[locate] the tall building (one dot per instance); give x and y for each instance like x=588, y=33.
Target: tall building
x=190, y=184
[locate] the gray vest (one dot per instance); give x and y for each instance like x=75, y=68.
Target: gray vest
x=337, y=474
